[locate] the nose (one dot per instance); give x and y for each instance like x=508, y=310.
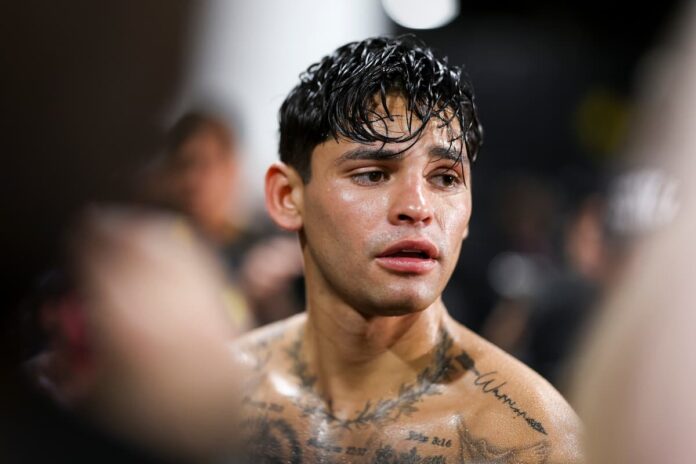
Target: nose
x=411, y=203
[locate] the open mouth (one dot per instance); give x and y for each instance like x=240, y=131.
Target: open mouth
x=417, y=254
x=409, y=256
x=418, y=249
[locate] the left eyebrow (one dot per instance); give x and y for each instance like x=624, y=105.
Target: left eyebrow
x=449, y=153
x=436, y=151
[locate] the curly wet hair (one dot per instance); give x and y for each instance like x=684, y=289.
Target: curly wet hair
x=345, y=96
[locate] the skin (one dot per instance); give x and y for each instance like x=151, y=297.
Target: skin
x=376, y=370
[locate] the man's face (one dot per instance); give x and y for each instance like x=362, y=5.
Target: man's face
x=383, y=229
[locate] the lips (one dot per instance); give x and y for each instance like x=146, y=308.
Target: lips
x=409, y=257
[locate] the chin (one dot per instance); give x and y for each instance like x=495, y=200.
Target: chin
x=396, y=305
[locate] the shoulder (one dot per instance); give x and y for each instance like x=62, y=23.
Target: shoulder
x=513, y=402
x=254, y=349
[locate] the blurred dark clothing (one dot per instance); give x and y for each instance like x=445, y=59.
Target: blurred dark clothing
x=558, y=317
x=39, y=431
x=469, y=296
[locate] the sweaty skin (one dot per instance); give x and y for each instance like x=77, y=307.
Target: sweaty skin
x=376, y=371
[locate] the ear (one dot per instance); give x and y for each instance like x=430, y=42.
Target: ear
x=466, y=233
x=284, y=193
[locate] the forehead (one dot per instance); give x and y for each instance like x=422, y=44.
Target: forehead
x=392, y=118
x=404, y=133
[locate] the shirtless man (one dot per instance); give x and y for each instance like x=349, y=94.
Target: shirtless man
x=376, y=143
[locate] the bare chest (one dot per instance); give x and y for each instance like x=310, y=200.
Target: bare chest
x=301, y=430
x=285, y=433
x=451, y=411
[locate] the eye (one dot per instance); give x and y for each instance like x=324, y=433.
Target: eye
x=369, y=177
x=446, y=180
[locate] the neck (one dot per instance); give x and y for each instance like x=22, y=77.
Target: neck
x=351, y=354
x=352, y=338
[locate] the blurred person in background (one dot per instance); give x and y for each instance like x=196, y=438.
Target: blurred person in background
x=376, y=143
x=565, y=299
x=548, y=293
x=598, y=238
x=526, y=208
x=197, y=175
x=198, y=170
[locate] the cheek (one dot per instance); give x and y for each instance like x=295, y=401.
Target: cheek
x=357, y=206
x=348, y=213
x=454, y=218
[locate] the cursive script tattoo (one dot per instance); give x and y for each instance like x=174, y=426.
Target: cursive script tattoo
x=487, y=382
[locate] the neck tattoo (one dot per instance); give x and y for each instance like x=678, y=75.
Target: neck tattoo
x=384, y=410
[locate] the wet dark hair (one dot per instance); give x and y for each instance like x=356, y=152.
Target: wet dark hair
x=339, y=97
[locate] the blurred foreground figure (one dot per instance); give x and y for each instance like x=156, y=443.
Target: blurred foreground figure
x=197, y=176
x=137, y=341
x=376, y=143
x=140, y=346
x=635, y=383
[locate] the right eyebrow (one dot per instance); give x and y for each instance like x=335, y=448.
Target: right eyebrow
x=369, y=154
